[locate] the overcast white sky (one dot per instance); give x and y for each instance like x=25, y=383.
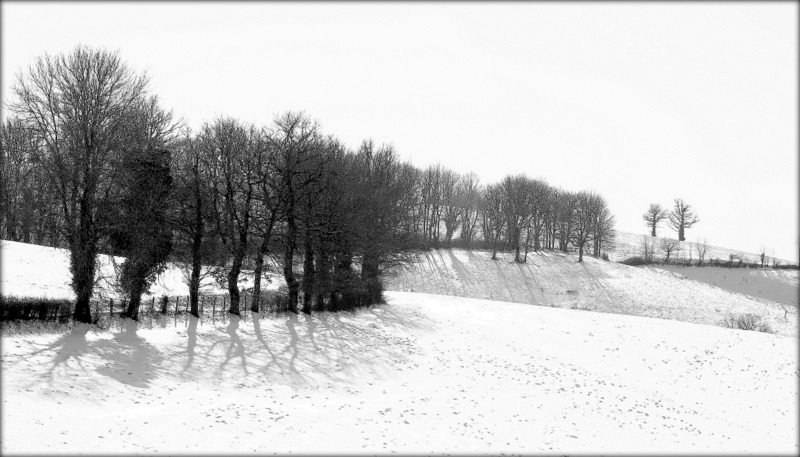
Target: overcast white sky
x=642, y=102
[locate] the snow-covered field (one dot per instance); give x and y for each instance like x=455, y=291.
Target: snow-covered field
x=780, y=286
x=423, y=374
x=556, y=279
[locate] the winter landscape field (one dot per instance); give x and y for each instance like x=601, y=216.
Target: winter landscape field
x=415, y=228
x=427, y=372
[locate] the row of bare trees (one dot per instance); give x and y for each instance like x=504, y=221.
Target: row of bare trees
x=93, y=163
x=522, y=213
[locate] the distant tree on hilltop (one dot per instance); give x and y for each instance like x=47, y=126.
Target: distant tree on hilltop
x=681, y=218
x=655, y=214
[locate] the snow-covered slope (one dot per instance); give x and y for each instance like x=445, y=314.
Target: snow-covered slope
x=548, y=279
x=424, y=374
x=557, y=280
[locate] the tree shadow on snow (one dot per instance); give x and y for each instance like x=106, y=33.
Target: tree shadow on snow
x=70, y=346
x=131, y=359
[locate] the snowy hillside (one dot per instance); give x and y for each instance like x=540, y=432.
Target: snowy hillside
x=549, y=279
x=556, y=279
x=423, y=374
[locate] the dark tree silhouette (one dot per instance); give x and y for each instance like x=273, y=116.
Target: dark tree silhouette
x=655, y=214
x=230, y=146
x=138, y=224
x=668, y=246
x=79, y=105
x=681, y=218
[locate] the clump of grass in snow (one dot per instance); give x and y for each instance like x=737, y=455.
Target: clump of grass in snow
x=747, y=321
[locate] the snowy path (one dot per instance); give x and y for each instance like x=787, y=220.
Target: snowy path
x=424, y=374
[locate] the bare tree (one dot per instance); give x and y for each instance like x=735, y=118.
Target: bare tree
x=493, y=215
x=702, y=248
x=469, y=191
x=231, y=147
x=138, y=210
x=604, y=233
x=762, y=255
x=20, y=177
x=538, y=206
x=655, y=214
x=648, y=247
x=516, y=210
x=452, y=203
x=431, y=189
x=79, y=104
x=193, y=213
x=266, y=210
x=681, y=218
x=565, y=210
x=668, y=246
x=295, y=139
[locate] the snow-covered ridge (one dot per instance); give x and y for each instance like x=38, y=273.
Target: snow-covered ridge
x=628, y=244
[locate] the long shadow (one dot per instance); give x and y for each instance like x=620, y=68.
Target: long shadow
x=291, y=347
x=311, y=328
x=133, y=361
x=235, y=348
x=72, y=345
x=260, y=337
x=461, y=271
x=191, y=342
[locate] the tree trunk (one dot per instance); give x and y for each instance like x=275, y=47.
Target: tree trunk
x=83, y=261
x=308, y=273
x=194, y=280
x=233, y=280
x=580, y=251
x=134, y=299
x=527, y=243
x=343, y=282
x=369, y=276
x=322, y=277
x=288, y=259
